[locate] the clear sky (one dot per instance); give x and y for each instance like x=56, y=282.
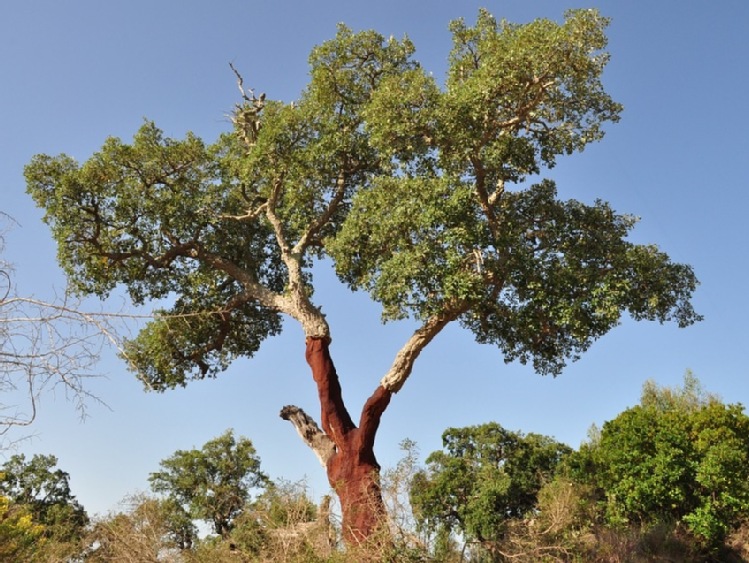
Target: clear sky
x=73, y=73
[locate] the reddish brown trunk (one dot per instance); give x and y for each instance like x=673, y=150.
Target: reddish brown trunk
x=353, y=471
x=357, y=483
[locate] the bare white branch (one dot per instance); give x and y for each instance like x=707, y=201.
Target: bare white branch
x=320, y=443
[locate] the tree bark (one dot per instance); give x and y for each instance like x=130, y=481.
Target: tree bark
x=353, y=471
x=310, y=432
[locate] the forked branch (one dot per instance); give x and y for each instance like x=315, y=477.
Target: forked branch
x=44, y=346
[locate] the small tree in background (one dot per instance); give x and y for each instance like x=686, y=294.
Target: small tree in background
x=681, y=456
x=44, y=490
x=213, y=483
x=485, y=477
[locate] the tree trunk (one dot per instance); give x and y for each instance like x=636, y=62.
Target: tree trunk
x=353, y=471
x=357, y=483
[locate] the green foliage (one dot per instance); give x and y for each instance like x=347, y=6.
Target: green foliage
x=405, y=183
x=538, y=277
x=137, y=215
x=442, y=234
x=486, y=477
x=212, y=483
x=680, y=455
x=44, y=491
x=20, y=536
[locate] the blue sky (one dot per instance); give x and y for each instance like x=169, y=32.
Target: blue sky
x=73, y=73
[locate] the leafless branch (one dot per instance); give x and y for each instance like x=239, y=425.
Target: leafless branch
x=310, y=432
x=248, y=95
x=246, y=116
x=46, y=346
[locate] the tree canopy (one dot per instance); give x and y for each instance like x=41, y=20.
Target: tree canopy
x=212, y=483
x=681, y=454
x=417, y=191
x=426, y=194
x=485, y=476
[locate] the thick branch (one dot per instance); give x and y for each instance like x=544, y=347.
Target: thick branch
x=405, y=358
x=336, y=421
x=254, y=290
x=312, y=320
x=483, y=197
x=499, y=189
x=310, y=432
x=371, y=415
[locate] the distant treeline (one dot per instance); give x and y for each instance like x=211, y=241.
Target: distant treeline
x=666, y=480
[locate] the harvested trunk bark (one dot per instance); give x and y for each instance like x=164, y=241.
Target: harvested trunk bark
x=352, y=469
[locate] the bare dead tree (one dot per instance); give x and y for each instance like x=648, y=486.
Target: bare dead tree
x=42, y=346
x=46, y=346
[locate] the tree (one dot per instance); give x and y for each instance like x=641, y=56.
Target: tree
x=212, y=483
x=681, y=455
x=43, y=489
x=43, y=345
x=485, y=477
x=416, y=192
x=19, y=534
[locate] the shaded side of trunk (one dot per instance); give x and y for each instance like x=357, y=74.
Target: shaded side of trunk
x=352, y=470
x=357, y=484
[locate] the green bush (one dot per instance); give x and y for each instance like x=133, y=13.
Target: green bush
x=681, y=455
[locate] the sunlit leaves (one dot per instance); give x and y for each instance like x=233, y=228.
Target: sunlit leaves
x=414, y=186
x=485, y=476
x=214, y=482
x=122, y=211
x=409, y=241
x=346, y=70
x=539, y=277
x=519, y=95
x=139, y=215
x=556, y=276
x=681, y=454
x=188, y=343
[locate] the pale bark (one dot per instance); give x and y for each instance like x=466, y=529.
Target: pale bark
x=314, y=229
x=307, y=428
x=406, y=356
